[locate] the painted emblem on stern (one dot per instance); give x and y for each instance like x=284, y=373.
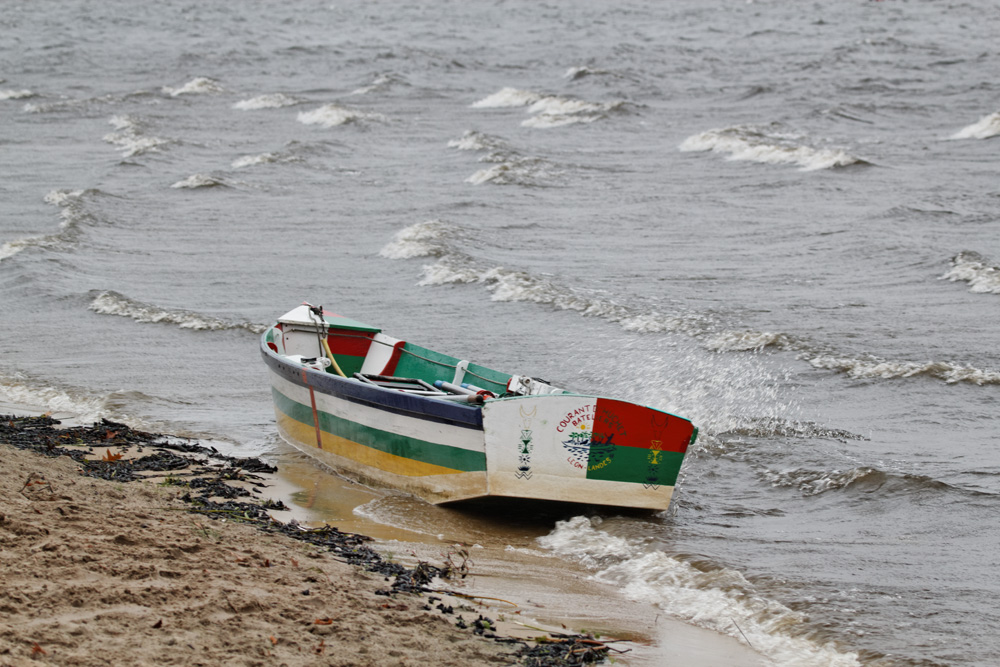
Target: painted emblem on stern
x=524, y=447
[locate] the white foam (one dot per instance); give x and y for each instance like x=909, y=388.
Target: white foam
x=744, y=341
x=888, y=370
x=514, y=170
x=198, y=86
x=130, y=139
x=380, y=82
x=747, y=143
x=574, y=73
x=546, y=121
x=263, y=158
x=195, y=181
x=971, y=267
x=984, y=128
x=19, y=389
x=113, y=303
x=271, y=101
x=717, y=599
x=478, y=141
x=420, y=240
x=15, y=94
x=507, y=97
x=332, y=115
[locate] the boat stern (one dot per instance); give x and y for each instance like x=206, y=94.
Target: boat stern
x=584, y=449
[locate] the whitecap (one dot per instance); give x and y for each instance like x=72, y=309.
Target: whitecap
x=507, y=97
x=198, y=86
x=272, y=101
x=873, y=368
x=130, y=138
x=15, y=94
x=113, y=303
x=423, y=239
x=332, y=115
x=985, y=128
x=971, y=267
x=767, y=147
x=199, y=181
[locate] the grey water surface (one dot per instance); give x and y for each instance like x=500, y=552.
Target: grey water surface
x=778, y=219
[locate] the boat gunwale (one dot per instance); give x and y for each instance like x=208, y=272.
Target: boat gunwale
x=355, y=391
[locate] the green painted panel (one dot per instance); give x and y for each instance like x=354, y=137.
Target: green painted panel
x=350, y=365
x=391, y=443
x=428, y=365
x=633, y=464
x=487, y=378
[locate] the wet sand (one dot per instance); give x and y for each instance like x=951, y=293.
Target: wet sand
x=96, y=572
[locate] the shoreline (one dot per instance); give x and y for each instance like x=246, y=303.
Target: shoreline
x=516, y=592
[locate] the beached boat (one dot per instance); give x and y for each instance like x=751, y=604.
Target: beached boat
x=447, y=429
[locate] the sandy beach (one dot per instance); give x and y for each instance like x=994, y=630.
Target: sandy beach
x=100, y=572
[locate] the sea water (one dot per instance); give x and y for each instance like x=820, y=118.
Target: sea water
x=778, y=219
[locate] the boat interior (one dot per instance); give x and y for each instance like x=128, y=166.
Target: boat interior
x=331, y=343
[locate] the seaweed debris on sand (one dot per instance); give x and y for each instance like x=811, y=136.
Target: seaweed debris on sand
x=190, y=568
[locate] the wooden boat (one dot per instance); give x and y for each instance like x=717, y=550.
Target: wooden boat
x=446, y=429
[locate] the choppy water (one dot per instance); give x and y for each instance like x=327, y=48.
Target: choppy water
x=779, y=219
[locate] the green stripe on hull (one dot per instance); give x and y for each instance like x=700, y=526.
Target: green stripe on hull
x=391, y=443
x=634, y=464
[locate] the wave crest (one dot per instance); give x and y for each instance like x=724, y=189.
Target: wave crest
x=973, y=268
x=196, y=181
x=985, y=128
x=15, y=94
x=198, y=86
x=270, y=101
x=703, y=593
x=332, y=115
x=130, y=137
x=768, y=147
x=112, y=303
x=888, y=370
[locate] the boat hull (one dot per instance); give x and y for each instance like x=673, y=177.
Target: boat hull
x=561, y=447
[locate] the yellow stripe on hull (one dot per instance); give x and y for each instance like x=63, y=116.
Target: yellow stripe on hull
x=334, y=444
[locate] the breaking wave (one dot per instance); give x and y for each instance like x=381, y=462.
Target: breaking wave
x=196, y=181
x=381, y=82
x=574, y=73
x=332, y=115
x=713, y=597
x=130, y=138
x=745, y=142
x=875, y=368
x=424, y=239
x=73, y=214
x=263, y=158
x=973, y=268
x=15, y=94
x=549, y=110
x=984, y=128
x=508, y=167
x=113, y=303
x=198, y=86
x=436, y=239
x=21, y=390
x=272, y=101
x=442, y=241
